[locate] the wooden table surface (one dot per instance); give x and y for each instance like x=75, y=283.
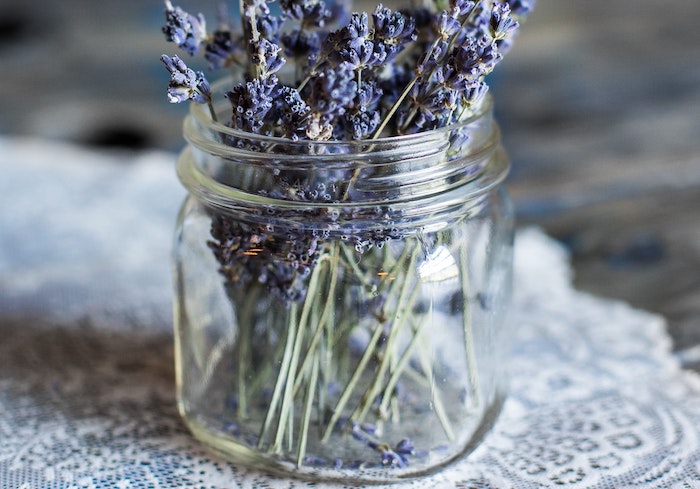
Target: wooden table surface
x=599, y=102
x=600, y=105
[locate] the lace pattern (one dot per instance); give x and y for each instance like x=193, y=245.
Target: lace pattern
x=86, y=377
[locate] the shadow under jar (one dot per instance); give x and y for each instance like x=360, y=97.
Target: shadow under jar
x=341, y=307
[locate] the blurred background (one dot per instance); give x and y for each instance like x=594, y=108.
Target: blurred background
x=599, y=103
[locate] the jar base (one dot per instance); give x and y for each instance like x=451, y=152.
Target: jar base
x=238, y=453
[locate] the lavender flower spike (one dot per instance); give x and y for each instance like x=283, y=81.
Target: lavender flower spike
x=185, y=30
x=185, y=84
x=502, y=22
x=521, y=7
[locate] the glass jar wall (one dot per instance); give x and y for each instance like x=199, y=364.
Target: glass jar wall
x=341, y=307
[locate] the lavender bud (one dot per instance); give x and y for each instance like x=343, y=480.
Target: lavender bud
x=462, y=8
x=251, y=102
x=265, y=55
x=502, y=22
x=521, y=7
x=185, y=30
x=447, y=25
x=393, y=27
x=221, y=49
x=309, y=12
x=185, y=84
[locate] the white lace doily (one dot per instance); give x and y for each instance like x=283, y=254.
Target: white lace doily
x=86, y=360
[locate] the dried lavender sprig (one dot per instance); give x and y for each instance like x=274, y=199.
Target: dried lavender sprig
x=407, y=296
x=186, y=84
x=371, y=346
x=438, y=405
x=288, y=397
x=249, y=16
x=324, y=320
x=407, y=89
x=281, y=376
x=444, y=44
x=306, y=414
x=311, y=13
x=521, y=8
x=185, y=30
x=352, y=382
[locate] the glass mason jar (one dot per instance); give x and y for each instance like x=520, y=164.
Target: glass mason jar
x=340, y=307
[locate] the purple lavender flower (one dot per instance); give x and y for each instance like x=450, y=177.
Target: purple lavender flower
x=421, y=15
x=363, y=55
x=356, y=32
x=270, y=27
x=185, y=84
x=308, y=12
x=475, y=59
x=300, y=44
x=390, y=458
x=502, y=22
x=222, y=49
x=474, y=94
x=420, y=115
x=353, y=44
x=332, y=92
x=251, y=12
x=462, y=8
x=439, y=79
x=447, y=25
x=433, y=57
x=265, y=57
x=363, y=117
x=292, y=112
x=251, y=253
x=251, y=102
x=397, y=457
x=392, y=32
x=185, y=30
x=521, y=7
x=405, y=447
x=250, y=7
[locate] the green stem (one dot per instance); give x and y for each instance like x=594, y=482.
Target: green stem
x=409, y=291
x=467, y=326
x=281, y=376
x=400, y=367
x=350, y=260
x=350, y=386
x=325, y=316
x=438, y=406
x=212, y=112
x=286, y=410
x=243, y=348
x=306, y=416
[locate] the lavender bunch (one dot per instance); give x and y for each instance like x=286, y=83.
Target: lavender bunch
x=310, y=71
x=349, y=77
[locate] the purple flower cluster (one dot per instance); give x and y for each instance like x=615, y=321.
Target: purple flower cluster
x=186, y=84
x=355, y=77
x=310, y=71
x=281, y=256
x=185, y=30
x=449, y=84
x=281, y=261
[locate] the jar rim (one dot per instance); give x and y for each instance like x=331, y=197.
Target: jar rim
x=425, y=172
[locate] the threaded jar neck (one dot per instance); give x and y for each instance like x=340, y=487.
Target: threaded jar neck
x=418, y=176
